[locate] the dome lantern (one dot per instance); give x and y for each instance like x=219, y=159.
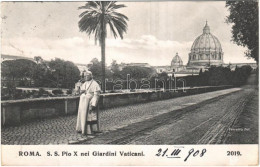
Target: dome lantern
x=206, y=29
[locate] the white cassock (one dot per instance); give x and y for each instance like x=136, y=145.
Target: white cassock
x=86, y=99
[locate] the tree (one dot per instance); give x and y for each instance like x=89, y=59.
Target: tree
x=115, y=69
x=38, y=59
x=137, y=72
x=42, y=73
x=219, y=76
x=244, y=16
x=64, y=73
x=163, y=76
x=241, y=74
x=94, y=20
x=96, y=69
x=18, y=69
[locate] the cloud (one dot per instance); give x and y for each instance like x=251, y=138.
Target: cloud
x=145, y=42
x=146, y=49
x=47, y=48
x=155, y=32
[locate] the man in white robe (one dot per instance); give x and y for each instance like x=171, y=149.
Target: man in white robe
x=89, y=95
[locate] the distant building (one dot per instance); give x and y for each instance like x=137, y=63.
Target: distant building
x=176, y=61
x=234, y=65
x=122, y=65
x=5, y=57
x=177, y=64
x=138, y=64
x=161, y=69
x=206, y=50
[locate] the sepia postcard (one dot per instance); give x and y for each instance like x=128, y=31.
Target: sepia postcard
x=130, y=83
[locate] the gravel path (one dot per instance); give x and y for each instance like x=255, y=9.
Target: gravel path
x=61, y=130
x=224, y=119
x=204, y=123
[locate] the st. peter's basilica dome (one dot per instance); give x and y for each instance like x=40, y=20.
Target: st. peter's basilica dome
x=176, y=61
x=206, y=50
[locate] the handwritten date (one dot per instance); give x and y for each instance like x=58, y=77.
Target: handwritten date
x=177, y=151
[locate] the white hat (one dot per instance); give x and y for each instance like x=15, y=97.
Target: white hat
x=87, y=72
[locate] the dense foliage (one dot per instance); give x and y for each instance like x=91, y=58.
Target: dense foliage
x=245, y=25
x=63, y=74
x=137, y=72
x=216, y=76
x=56, y=73
x=26, y=73
x=96, y=69
x=137, y=76
x=18, y=69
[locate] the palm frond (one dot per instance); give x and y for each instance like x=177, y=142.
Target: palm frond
x=120, y=27
x=111, y=25
x=90, y=20
x=119, y=15
x=117, y=6
x=111, y=3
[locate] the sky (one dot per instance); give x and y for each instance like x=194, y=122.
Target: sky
x=156, y=32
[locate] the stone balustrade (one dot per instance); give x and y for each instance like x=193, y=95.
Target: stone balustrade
x=15, y=112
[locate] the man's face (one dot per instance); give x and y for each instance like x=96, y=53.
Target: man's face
x=88, y=77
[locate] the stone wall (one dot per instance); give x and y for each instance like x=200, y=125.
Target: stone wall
x=18, y=111
x=15, y=112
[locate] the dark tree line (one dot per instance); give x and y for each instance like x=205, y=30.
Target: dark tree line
x=216, y=76
x=56, y=73
x=114, y=71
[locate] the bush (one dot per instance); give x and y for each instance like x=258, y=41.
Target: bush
x=19, y=94
x=241, y=74
x=5, y=94
x=69, y=92
x=57, y=92
x=41, y=91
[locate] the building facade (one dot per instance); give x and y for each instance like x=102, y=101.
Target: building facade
x=205, y=51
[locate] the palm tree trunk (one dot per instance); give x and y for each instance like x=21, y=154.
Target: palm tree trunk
x=103, y=63
x=103, y=46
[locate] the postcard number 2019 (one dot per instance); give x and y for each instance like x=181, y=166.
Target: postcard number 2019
x=233, y=153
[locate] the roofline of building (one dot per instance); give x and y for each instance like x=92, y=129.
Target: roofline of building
x=18, y=57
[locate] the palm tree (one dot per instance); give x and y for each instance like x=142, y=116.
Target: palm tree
x=95, y=19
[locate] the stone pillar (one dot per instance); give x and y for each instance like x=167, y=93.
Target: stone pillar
x=11, y=115
x=70, y=106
